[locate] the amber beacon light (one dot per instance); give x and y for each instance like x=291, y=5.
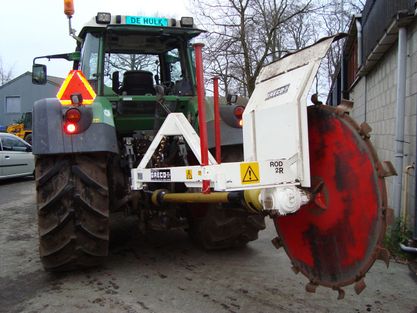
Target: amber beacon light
x=69, y=8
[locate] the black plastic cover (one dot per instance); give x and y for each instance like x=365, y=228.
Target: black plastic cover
x=49, y=138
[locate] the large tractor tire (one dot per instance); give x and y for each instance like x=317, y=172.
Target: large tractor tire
x=73, y=210
x=224, y=228
x=217, y=227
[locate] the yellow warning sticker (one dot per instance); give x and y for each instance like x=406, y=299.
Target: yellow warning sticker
x=249, y=173
x=189, y=174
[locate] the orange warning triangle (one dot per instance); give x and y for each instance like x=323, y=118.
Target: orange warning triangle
x=76, y=83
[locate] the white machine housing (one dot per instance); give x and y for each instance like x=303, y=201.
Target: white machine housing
x=275, y=119
x=275, y=138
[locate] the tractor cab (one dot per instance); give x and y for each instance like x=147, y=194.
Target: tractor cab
x=142, y=65
x=136, y=63
x=138, y=56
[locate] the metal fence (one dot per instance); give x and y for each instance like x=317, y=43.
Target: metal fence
x=377, y=15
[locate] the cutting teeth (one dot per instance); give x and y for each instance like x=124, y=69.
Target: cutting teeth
x=360, y=286
x=345, y=107
x=315, y=99
x=341, y=293
x=365, y=130
x=383, y=255
x=311, y=287
x=277, y=242
x=386, y=169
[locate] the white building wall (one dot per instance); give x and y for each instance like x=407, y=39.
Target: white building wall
x=374, y=99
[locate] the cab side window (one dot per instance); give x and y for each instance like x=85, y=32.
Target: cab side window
x=13, y=144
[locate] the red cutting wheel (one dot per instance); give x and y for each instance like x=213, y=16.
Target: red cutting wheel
x=334, y=239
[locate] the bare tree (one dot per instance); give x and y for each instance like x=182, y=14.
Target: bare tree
x=247, y=34
x=5, y=74
x=130, y=62
x=244, y=35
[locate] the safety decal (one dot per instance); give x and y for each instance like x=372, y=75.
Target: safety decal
x=189, y=174
x=249, y=173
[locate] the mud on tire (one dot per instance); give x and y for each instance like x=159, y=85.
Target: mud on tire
x=73, y=210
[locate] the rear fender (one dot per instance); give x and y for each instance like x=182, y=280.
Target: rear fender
x=231, y=131
x=49, y=137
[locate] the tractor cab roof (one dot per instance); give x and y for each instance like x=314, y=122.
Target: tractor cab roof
x=141, y=25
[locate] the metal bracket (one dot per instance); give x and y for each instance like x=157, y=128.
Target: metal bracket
x=176, y=125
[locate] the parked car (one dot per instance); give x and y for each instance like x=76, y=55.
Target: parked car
x=16, y=158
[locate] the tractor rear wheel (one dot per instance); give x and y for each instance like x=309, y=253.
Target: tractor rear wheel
x=223, y=228
x=217, y=227
x=73, y=210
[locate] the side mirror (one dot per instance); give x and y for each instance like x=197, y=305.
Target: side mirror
x=231, y=99
x=39, y=74
x=28, y=148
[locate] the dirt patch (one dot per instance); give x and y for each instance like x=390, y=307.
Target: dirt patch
x=16, y=290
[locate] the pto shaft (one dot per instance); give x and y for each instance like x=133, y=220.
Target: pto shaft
x=250, y=198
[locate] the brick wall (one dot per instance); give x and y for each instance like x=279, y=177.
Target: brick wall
x=375, y=101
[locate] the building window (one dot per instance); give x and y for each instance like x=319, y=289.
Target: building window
x=13, y=104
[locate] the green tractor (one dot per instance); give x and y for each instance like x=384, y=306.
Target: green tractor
x=129, y=72
x=122, y=136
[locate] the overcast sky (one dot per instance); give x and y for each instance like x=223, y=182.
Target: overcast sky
x=30, y=28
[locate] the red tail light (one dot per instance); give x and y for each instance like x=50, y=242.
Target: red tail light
x=70, y=128
x=73, y=115
x=238, y=112
x=71, y=119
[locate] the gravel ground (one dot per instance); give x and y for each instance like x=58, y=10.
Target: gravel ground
x=164, y=272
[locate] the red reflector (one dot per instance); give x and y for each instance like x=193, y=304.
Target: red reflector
x=70, y=128
x=73, y=115
x=238, y=111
